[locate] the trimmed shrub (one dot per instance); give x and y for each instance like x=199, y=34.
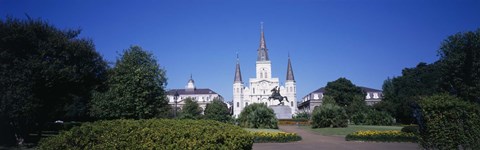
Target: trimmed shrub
x=372, y=117
x=329, y=115
x=449, y=123
x=381, y=136
x=281, y=137
x=411, y=129
x=258, y=115
x=151, y=134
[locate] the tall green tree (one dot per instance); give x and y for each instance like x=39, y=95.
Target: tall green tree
x=460, y=65
x=46, y=74
x=217, y=110
x=191, y=109
x=135, y=89
x=343, y=91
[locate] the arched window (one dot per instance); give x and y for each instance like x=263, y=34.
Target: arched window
x=261, y=75
x=291, y=103
x=238, y=104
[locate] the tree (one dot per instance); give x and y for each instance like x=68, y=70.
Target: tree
x=191, y=110
x=460, y=65
x=135, y=89
x=46, y=74
x=415, y=83
x=258, y=115
x=343, y=91
x=217, y=110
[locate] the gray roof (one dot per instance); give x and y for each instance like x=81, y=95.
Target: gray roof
x=290, y=76
x=238, y=74
x=364, y=89
x=190, y=92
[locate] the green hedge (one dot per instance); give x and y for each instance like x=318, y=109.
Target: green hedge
x=281, y=137
x=329, y=115
x=151, y=134
x=381, y=136
x=410, y=129
x=372, y=117
x=450, y=123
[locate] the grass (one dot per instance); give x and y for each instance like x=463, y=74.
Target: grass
x=262, y=130
x=349, y=129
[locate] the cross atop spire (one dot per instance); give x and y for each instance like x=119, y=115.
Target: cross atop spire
x=262, y=49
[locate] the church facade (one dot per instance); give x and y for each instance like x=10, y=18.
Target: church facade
x=259, y=88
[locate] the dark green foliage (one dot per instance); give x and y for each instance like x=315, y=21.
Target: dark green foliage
x=343, y=91
x=258, y=115
x=329, y=115
x=372, y=117
x=46, y=74
x=457, y=73
x=411, y=129
x=151, y=134
x=450, y=123
x=401, y=92
x=191, y=110
x=460, y=65
x=217, y=110
x=135, y=89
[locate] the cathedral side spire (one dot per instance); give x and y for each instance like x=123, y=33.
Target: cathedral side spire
x=262, y=49
x=238, y=73
x=290, y=76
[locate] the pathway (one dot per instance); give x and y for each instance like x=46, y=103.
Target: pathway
x=317, y=142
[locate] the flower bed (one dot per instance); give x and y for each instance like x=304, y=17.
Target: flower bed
x=281, y=137
x=382, y=136
x=303, y=122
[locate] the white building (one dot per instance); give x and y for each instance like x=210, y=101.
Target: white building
x=315, y=98
x=201, y=96
x=259, y=88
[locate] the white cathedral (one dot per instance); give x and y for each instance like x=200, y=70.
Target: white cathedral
x=259, y=88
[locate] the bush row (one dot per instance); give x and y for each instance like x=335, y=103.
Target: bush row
x=151, y=134
x=411, y=129
x=381, y=136
x=265, y=137
x=372, y=117
x=449, y=123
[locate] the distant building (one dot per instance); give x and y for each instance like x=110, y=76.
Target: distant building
x=259, y=88
x=201, y=96
x=315, y=98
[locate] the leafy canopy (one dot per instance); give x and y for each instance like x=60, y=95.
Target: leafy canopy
x=217, y=110
x=46, y=74
x=135, y=88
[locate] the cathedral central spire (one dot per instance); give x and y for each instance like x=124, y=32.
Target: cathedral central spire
x=262, y=49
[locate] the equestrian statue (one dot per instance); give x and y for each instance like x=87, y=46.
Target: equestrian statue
x=276, y=95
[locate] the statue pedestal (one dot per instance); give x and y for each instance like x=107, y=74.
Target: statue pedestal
x=281, y=111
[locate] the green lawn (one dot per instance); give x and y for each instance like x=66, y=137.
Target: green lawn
x=349, y=129
x=262, y=130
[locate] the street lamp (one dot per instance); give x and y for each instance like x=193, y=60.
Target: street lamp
x=175, y=98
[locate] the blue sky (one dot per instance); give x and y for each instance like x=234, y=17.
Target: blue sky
x=365, y=41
